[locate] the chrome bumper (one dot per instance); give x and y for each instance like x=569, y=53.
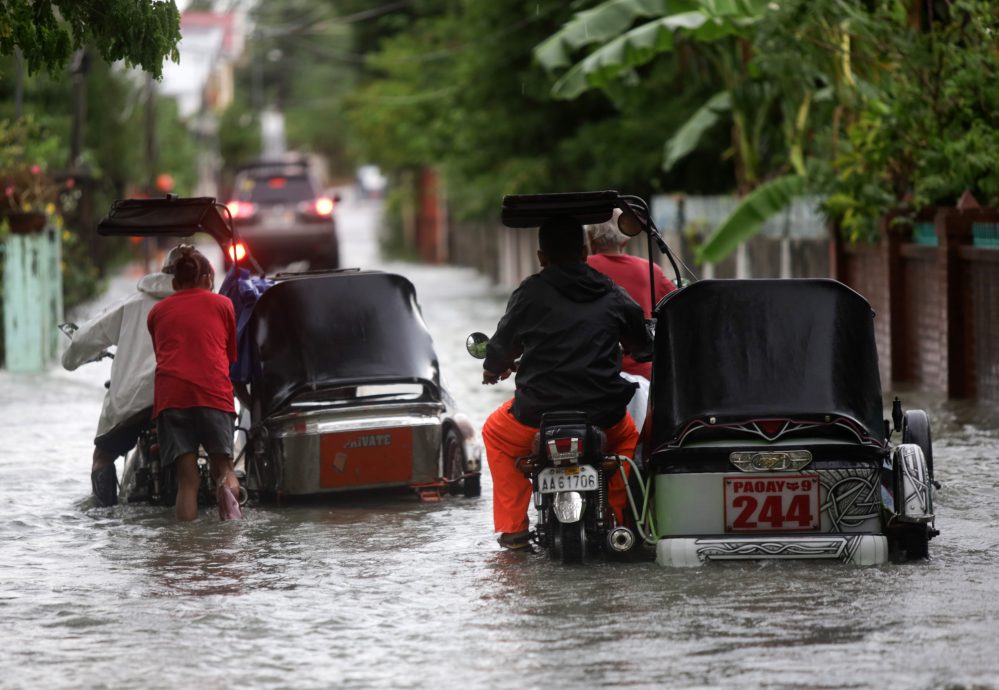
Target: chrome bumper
x=859, y=549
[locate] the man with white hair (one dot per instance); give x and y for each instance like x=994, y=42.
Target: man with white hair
x=607, y=255
x=129, y=400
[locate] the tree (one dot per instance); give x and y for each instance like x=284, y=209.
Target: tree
x=140, y=32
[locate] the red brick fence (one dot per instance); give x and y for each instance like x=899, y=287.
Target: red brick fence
x=935, y=289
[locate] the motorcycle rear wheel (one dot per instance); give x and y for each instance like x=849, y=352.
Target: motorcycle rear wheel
x=569, y=542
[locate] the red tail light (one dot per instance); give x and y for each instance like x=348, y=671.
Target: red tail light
x=237, y=252
x=562, y=450
x=241, y=209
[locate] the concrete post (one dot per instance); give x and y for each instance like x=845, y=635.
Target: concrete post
x=32, y=294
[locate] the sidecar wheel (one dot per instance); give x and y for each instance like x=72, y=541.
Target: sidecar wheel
x=916, y=429
x=452, y=460
x=472, y=487
x=916, y=542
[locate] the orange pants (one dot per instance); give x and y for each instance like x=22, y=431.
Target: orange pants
x=506, y=439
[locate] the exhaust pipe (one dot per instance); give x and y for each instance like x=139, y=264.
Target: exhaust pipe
x=621, y=539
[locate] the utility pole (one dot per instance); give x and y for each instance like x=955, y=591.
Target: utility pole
x=81, y=65
x=151, y=154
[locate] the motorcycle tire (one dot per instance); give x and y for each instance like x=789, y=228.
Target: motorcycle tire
x=571, y=542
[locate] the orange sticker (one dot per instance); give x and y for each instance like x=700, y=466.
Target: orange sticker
x=365, y=458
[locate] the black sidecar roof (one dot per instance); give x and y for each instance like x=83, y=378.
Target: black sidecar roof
x=169, y=216
x=753, y=349
x=327, y=330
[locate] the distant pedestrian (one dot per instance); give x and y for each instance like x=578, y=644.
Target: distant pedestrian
x=194, y=337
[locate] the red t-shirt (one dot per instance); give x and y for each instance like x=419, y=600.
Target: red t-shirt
x=632, y=273
x=194, y=337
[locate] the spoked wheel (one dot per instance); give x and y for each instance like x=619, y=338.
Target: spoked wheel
x=567, y=542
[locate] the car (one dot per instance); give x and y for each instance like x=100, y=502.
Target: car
x=282, y=215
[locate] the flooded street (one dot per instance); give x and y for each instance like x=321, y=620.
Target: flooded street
x=392, y=593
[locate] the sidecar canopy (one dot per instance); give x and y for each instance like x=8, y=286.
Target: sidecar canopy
x=169, y=216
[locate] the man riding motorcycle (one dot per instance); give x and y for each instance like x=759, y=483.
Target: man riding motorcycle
x=129, y=400
x=567, y=324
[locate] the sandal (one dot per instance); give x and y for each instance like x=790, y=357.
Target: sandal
x=228, y=504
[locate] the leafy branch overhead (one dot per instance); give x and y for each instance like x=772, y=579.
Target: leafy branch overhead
x=141, y=33
x=620, y=49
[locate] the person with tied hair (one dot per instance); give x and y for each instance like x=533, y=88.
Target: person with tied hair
x=194, y=337
x=567, y=325
x=129, y=400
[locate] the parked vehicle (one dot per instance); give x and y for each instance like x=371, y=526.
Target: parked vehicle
x=569, y=470
x=765, y=437
x=344, y=390
x=284, y=215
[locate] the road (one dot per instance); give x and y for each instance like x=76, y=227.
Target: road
x=393, y=593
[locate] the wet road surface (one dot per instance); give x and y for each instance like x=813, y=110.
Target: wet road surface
x=387, y=592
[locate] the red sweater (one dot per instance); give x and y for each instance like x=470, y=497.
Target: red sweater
x=632, y=273
x=194, y=337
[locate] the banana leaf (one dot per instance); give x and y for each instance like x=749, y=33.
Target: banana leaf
x=601, y=24
x=747, y=219
x=688, y=136
x=640, y=45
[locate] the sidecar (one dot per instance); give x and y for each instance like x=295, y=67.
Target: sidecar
x=766, y=437
x=346, y=392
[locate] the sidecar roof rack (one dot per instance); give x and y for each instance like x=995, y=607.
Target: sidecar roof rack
x=169, y=216
x=531, y=210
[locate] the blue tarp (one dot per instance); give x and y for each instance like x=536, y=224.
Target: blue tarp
x=244, y=290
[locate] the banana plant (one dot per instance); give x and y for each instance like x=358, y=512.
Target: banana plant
x=625, y=34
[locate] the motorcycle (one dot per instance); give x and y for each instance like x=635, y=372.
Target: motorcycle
x=144, y=478
x=570, y=470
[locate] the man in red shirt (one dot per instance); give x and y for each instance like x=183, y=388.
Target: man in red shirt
x=631, y=273
x=194, y=338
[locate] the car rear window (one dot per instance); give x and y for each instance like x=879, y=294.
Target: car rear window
x=274, y=189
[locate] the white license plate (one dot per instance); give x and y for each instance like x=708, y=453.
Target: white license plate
x=277, y=218
x=764, y=503
x=574, y=478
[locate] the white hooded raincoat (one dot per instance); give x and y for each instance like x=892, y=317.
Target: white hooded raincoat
x=134, y=366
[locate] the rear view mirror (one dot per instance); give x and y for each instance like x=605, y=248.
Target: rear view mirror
x=476, y=345
x=628, y=223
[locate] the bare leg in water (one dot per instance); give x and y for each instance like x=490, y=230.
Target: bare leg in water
x=225, y=479
x=188, y=481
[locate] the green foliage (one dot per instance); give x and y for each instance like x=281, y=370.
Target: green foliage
x=930, y=128
x=688, y=136
x=761, y=204
x=140, y=32
x=622, y=49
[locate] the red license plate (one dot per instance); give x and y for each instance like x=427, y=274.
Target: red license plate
x=765, y=503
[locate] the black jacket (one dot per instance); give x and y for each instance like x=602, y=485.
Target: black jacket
x=567, y=324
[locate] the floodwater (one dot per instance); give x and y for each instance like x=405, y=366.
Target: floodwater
x=393, y=593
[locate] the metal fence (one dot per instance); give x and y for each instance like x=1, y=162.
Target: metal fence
x=795, y=244
x=32, y=299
